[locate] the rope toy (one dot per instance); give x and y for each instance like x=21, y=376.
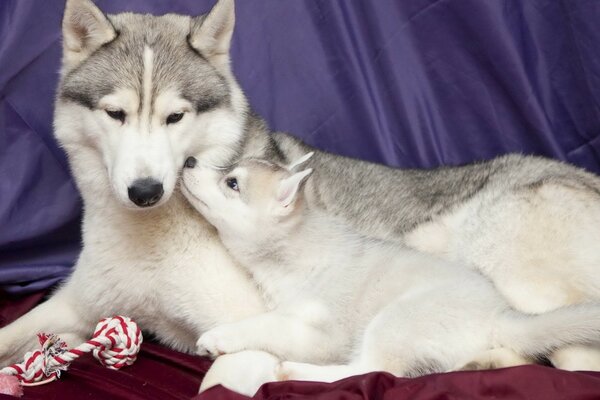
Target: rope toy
x=115, y=343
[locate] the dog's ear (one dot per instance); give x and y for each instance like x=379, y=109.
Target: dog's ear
x=300, y=161
x=211, y=33
x=288, y=190
x=85, y=28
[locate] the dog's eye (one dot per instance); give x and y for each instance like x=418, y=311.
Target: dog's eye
x=232, y=184
x=174, y=118
x=119, y=115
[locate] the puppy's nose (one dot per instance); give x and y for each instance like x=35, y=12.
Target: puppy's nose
x=145, y=192
x=190, y=162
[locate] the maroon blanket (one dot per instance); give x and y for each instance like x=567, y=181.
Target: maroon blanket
x=160, y=373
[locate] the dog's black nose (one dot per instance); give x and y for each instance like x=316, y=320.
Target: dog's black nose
x=145, y=192
x=190, y=162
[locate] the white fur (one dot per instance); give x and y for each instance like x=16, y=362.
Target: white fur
x=163, y=266
x=539, y=246
x=146, y=112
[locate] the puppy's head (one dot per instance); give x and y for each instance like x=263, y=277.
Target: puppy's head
x=251, y=200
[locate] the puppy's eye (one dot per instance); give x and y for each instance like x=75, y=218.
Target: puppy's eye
x=174, y=118
x=119, y=115
x=232, y=184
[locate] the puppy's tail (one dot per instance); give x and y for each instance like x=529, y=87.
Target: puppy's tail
x=541, y=334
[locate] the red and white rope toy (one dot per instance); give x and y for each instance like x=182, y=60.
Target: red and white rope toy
x=115, y=343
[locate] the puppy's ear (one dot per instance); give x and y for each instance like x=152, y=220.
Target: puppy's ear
x=300, y=161
x=85, y=28
x=288, y=189
x=211, y=33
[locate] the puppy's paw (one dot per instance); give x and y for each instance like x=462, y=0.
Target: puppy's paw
x=218, y=341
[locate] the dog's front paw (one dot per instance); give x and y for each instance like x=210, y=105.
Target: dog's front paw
x=218, y=341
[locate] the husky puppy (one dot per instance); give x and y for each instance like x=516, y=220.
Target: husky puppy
x=337, y=297
x=140, y=93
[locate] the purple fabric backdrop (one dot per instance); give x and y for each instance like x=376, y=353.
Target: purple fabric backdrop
x=414, y=83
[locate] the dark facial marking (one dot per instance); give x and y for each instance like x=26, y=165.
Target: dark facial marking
x=83, y=93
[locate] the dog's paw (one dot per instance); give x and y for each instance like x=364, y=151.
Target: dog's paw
x=218, y=341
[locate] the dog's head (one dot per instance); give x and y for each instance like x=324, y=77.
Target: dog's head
x=145, y=92
x=254, y=199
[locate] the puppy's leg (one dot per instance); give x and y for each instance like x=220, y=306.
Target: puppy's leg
x=242, y=372
x=57, y=315
x=371, y=356
x=382, y=342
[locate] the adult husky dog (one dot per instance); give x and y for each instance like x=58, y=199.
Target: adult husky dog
x=139, y=94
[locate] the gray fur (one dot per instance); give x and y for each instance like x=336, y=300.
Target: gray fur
x=119, y=64
x=387, y=202
x=377, y=200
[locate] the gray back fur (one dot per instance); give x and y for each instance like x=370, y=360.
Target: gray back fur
x=387, y=202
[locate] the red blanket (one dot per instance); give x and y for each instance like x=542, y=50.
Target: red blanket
x=160, y=373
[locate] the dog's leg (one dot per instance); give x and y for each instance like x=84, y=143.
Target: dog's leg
x=57, y=315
